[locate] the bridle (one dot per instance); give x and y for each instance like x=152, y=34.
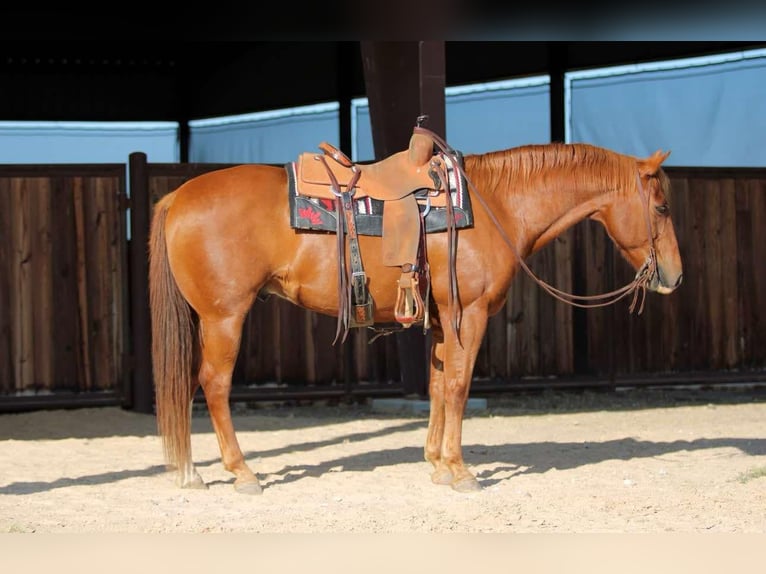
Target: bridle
x=637, y=287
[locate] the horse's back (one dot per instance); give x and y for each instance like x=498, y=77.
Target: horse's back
x=241, y=180
x=229, y=200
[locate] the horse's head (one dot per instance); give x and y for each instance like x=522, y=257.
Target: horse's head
x=638, y=221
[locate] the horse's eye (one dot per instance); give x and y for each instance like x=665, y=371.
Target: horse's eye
x=663, y=209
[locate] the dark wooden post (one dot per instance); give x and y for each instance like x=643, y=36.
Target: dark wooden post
x=557, y=67
x=140, y=320
x=404, y=80
x=345, y=87
x=184, y=135
x=557, y=64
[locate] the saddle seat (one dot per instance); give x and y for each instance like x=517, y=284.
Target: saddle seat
x=389, y=179
x=401, y=181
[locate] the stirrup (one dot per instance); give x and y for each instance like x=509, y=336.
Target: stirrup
x=409, y=304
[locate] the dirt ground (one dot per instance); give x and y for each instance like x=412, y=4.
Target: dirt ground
x=631, y=461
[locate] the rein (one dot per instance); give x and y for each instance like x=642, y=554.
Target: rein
x=637, y=286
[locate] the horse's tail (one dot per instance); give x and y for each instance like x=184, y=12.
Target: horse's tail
x=173, y=340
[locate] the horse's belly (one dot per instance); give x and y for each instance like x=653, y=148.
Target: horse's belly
x=308, y=277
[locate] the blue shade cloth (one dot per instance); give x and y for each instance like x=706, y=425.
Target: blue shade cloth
x=707, y=111
x=362, y=148
x=480, y=118
x=87, y=142
x=271, y=137
x=499, y=118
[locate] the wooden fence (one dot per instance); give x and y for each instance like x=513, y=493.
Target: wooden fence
x=63, y=304
x=74, y=305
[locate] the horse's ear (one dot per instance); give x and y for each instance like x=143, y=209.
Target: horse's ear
x=651, y=165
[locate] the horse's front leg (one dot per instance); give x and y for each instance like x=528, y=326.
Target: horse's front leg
x=220, y=346
x=433, y=449
x=449, y=395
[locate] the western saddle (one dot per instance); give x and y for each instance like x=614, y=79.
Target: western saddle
x=403, y=181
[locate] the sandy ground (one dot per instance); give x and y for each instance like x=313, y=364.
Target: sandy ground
x=650, y=461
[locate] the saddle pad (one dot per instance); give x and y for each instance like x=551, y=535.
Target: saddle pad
x=318, y=214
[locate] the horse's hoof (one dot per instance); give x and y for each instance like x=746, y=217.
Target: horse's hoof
x=441, y=476
x=248, y=487
x=466, y=484
x=195, y=483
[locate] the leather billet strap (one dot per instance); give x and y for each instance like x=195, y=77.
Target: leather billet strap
x=353, y=293
x=358, y=276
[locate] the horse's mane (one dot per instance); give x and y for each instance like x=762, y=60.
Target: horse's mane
x=532, y=167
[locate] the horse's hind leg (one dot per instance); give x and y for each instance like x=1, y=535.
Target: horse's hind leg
x=188, y=477
x=220, y=340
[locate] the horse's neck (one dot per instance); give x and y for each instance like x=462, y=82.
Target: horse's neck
x=544, y=205
x=565, y=205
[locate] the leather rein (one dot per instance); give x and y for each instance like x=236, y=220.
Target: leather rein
x=637, y=286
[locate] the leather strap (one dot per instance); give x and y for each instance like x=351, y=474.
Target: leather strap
x=335, y=153
x=358, y=276
x=345, y=212
x=344, y=295
x=453, y=297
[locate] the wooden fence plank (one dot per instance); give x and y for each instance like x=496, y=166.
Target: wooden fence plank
x=671, y=351
x=97, y=231
x=626, y=331
x=7, y=379
x=268, y=340
x=530, y=321
x=120, y=279
x=594, y=268
x=515, y=322
x=82, y=282
x=682, y=209
x=563, y=313
x=66, y=328
x=21, y=289
x=329, y=357
x=758, y=213
x=695, y=278
x=112, y=279
x=730, y=326
x=712, y=264
x=546, y=269
x=490, y=360
x=383, y=360
x=42, y=288
x=292, y=348
x=359, y=350
x=745, y=271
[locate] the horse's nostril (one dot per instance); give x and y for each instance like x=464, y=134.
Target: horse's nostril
x=678, y=281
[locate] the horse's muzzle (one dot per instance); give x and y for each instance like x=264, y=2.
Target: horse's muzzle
x=665, y=283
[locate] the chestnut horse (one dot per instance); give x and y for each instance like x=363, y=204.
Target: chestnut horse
x=222, y=238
